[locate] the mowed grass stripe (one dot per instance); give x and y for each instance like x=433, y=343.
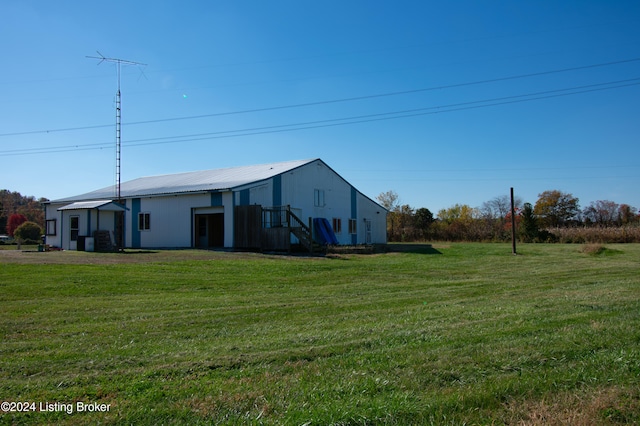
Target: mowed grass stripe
x=473, y=335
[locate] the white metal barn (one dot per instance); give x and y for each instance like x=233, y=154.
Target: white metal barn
x=261, y=207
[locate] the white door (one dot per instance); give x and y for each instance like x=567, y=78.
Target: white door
x=367, y=231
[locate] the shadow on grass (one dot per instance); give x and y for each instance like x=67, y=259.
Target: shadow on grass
x=413, y=248
x=137, y=252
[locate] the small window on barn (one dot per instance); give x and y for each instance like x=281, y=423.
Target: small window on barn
x=51, y=227
x=144, y=221
x=353, y=228
x=337, y=225
x=318, y=197
x=74, y=227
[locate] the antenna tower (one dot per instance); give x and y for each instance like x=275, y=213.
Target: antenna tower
x=118, y=63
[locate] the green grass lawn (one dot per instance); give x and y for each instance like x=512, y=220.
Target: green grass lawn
x=454, y=334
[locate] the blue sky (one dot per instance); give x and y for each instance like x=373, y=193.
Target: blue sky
x=442, y=102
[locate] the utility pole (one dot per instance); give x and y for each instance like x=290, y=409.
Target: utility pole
x=119, y=62
x=513, y=224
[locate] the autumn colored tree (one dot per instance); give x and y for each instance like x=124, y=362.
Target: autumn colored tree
x=627, y=214
x=507, y=220
x=14, y=221
x=405, y=228
x=459, y=222
x=14, y=202
x=457, y=212
x=390, y=201
x=555, y=208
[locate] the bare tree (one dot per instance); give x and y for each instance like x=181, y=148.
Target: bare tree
x=499, y=207
x=389, y=200
x=602, y=212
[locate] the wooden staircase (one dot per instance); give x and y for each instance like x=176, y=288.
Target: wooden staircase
x=103, y=241
x=302, y=232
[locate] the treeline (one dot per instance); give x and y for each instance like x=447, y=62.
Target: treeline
x=14, y=203
x=555, y=217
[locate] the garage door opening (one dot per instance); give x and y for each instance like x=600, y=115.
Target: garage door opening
x=209, y=230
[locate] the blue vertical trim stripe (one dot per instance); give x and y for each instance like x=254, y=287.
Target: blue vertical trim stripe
x=277, y=190
x=135, y=232
x=216, y=199
x=244, y=197
x=354, y=213
x=88, y=234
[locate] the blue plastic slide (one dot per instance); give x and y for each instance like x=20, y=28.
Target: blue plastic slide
x=324, y=232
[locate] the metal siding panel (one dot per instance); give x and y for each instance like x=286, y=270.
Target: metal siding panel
x=261, y=194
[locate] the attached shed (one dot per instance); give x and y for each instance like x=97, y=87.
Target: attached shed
x=261, y=207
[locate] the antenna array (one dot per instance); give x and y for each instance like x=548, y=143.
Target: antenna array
x=119, y=63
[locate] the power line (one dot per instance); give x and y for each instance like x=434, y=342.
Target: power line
x=498, y=169
x=340, y=121
x=330, y=101
x=379, y=116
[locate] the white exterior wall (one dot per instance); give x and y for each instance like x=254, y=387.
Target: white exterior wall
x=369, y=210
x=87, y=221
x=172, y=219
x=171, y=222
x=52, y=213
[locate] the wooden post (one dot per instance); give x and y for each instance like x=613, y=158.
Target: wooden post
x=513, y=225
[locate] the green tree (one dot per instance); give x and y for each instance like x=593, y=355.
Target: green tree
x=529, y=224
x=28, y=231
x=555, y=208
x=423, y=218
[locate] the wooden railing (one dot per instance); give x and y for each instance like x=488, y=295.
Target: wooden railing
x=284, y=217
x=300, y=230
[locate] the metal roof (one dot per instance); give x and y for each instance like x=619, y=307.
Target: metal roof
x=105, y=205
x=206, y=180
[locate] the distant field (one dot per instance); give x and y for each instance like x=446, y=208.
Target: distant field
x=449, y=334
